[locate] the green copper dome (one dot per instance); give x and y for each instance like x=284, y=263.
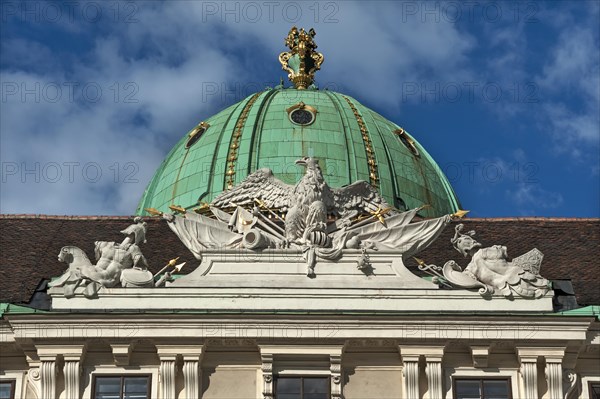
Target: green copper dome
x=275, y=127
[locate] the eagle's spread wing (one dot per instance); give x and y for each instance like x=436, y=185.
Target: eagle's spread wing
x=358, y=197
x=260, y=185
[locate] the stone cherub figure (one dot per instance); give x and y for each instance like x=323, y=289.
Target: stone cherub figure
x=111, y=260
x=491, y=271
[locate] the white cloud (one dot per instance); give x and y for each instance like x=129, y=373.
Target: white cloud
x=532, y=196
x=163, y=62
x=176, y=48
x=571, y=81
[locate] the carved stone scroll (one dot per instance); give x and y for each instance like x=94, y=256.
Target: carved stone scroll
x=267, y=374
x=336, y=376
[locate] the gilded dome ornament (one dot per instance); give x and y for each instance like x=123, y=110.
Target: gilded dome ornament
x=302, y=61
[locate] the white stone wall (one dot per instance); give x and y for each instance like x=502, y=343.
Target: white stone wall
x=226, y=361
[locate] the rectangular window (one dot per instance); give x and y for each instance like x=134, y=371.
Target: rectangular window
x=7, y=389
x=479, y=388
x=302, y=388
x=121, y=387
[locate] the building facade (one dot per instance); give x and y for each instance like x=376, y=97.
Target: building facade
x=298, y=245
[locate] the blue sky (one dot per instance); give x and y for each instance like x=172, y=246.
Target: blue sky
x=504, y=95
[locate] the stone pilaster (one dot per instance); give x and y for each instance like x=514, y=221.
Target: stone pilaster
x=73, y=356
x=72, y=373
x=528, y=371
x=411, y=354
x=48, y=377
x=554, y=378
x=167, y=377
x=49, y=356
x=168, y=355
x=411, y=376
x=554, y=372
x=529, y=376
x=433, y=369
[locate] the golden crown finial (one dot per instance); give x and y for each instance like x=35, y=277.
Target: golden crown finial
x=302, y=61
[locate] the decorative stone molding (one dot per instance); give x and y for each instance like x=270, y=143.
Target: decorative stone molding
x=49, y=355
x=433, y=369
x=554, y=378
x=235, y=342
x=433, y=355
x=529, y=375
x=336, y=376
x=33, y=374
x=480, y=356
x=72, y=371
x=268, y=354
x=121, y=353
x=33, y=380
x=571, y=377
x=168, y=355
x=167, y=377
x=48, y=378
x=192, y=377
x=411, y=376
x=73, y=356
x=554, y=372
x=267, y=374
x=371, y=343
x=528, y=359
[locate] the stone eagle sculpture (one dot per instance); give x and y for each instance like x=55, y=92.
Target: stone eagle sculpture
x=307, y=203
x=311, y=217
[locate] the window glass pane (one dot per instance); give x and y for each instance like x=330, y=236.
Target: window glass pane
x=316, y=385
x=316, y=396
x=495, y=389
x=136, y=385
x=467, y=389
x=289, y=385
x=288, y=396
x=108, y=385
x=108, y=388
x=5, y=390
x=594, y=391
x=135, y=395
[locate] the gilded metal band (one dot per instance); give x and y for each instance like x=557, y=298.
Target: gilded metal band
x=373, y=172
x=235, y=140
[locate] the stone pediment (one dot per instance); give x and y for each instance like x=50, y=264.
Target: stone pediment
x=275, y=281
x=268, y=246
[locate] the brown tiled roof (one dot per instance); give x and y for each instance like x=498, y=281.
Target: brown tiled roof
x=29, y=245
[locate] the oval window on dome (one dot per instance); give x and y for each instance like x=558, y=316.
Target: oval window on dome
x=195, y=134
x=301, y=114
x=407, y=141
x=302, y=117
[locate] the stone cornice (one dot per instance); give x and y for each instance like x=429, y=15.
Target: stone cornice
x=54, y=328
